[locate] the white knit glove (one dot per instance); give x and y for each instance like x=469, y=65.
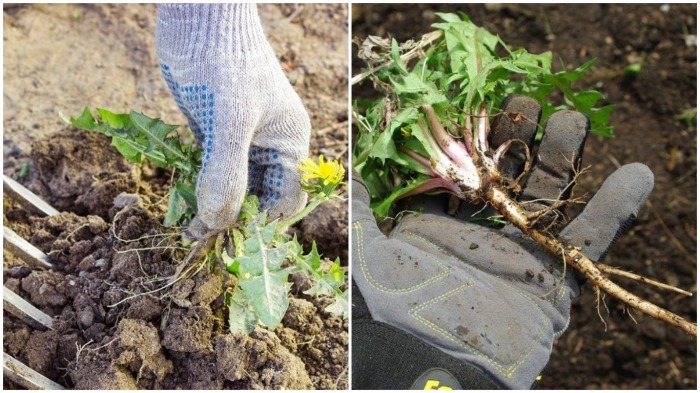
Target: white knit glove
x=243, y=111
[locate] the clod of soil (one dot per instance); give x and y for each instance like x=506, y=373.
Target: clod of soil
x=107, y=338
x=258, y=361
x=137, y=351
x=78, y=175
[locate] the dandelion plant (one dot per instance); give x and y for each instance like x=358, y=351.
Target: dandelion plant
x=263, y=254
x=430, y=130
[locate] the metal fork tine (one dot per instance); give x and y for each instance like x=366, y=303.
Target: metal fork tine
x=20, y=374
x=26, y=198
x=25, y=250
x=24, y=310
x=16, y=244
x=13, y=369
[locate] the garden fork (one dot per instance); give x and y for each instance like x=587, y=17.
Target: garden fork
x=13, y=369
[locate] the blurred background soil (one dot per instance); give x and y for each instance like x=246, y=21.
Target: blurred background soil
x=651, y=127
x=61, y=58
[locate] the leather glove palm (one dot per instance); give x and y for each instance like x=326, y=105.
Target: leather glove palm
x=482, y=304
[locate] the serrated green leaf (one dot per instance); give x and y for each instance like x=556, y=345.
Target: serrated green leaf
x=261, y=261
x=576, y=74
x=187, y=192
x=135, y=134
x=448, y=17
x=241, y=316
x=85, y=120
x=127, y=149
x=260, y=234
x=268, y=296
x=340, y=306
x=381, y=208
x=176, y=208
x=261, y=277
x=157, y=134
x=337, y=273
x=405, y=116
x=384, y=147
x=585, y=100
x=311, y=266
x=396, y=56
x=600, y=121
x=114, y=120
x=460, y=72
x=412, y=83
x=153, y=128
x=294, y=248
x=249, y=208
x=261, y=250
x=324, y=283
x=434, y=98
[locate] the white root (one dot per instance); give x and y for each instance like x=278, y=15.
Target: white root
x=512, y=211
x=618, y=272
x=491, y=192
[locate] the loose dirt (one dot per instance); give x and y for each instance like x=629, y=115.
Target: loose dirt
x=108, y=243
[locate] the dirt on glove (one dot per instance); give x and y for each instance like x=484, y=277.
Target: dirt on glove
x=108, y=243
x=649, y=128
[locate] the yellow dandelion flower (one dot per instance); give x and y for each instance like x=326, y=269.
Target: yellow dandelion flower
x=327, y=172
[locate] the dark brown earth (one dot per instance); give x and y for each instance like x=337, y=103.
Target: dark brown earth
x=662, y=243
x=109, y=244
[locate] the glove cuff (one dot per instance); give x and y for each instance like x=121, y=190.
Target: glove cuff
x=194, y=32
x=385, y=357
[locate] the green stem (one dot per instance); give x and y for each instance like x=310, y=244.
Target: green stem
x=361, y=158
x=315, y=201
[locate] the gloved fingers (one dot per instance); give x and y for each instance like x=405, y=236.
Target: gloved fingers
x=222, y=182
x=195, y=102
x=558, y=157
x=518, y=121
x=280, y=143
x=274, y=177
x=196, y=230
x=286, y=125
x=256, y=176
x=610, y=211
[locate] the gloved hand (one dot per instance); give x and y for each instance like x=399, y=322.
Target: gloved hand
x=444, y=302
x=243, y=111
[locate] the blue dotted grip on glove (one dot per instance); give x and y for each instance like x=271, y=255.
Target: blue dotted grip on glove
x=198, y=106
x=265, y=175
x=265, y=170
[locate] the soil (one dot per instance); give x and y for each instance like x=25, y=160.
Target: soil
x=108, y=243
x=662, y=242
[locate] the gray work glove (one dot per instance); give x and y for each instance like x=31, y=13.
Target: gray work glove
x=444, y=302
x=251, y=124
